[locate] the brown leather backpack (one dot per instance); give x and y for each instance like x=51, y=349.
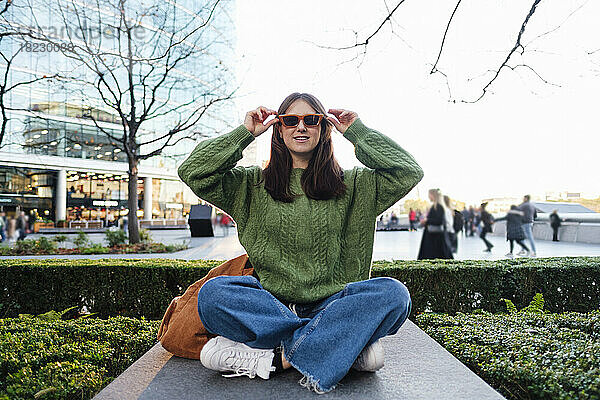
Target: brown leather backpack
x=181, y=331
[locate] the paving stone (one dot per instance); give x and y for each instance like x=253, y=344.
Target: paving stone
x=416, y=367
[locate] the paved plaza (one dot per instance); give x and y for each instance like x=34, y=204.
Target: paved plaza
x=389, y=245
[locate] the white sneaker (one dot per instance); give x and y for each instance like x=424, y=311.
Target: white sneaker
x=222, y=354
x=509, y=255
x=371, y=358
x=532, y=254
x=523, y=252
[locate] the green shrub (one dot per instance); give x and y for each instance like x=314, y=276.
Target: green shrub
x=45, y=245
x=525, y=355
x=145, y=235
x=82, y=240
x=109, y=287
x=26, y=245
x=450, y=286
x=95, y=248
x=41, y=245
x=115, y=237
x=60, y=238
x=145, y=287
x=68, y=359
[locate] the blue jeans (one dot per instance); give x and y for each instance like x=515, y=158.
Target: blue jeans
x=321, y=339
x=528, y=230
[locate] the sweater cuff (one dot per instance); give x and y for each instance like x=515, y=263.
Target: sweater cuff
x=356, y=131
x=241, y=136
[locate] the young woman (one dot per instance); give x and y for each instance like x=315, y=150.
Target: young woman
x=308, y=228
x=435, y=242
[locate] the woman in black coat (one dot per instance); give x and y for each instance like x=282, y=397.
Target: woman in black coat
x=435, y=242
x=487, y=220
x=514, y=229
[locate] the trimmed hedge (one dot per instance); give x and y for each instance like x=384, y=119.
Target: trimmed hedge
x=43, y=246
x=145, y=287
x=108, y=287
x=450, y=286
x=68, y=359
x=525, y=355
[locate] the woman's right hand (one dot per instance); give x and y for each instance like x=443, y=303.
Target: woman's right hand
x=255, y=119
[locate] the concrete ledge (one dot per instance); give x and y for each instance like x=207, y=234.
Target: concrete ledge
x=573, y=232
x=416, y=367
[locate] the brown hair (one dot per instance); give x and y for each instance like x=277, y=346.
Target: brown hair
x=322, y=179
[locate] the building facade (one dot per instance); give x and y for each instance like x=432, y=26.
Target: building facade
x=58, y=161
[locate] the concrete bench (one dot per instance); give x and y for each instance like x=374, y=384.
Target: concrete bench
x=416, y=367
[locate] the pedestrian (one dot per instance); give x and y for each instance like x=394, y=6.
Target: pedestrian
x=477, y=220
x=514, y=229
x=393, y=221
x=308, y=227
x=487, y=220
x=467, y=218
x=452, y=233
x=555, y=223
x=435, y=242
x=3, y=226
x=529, y=215
x=412, y=220
x=11, y=231
x=21, y=226
x=225, y=223
x=471, y=221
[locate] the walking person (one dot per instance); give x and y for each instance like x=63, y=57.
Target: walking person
x=471, y=221
x=393, y=222
x=225, y=223
x=468, y=220
x=529, y=215
x=514, y=229
x=21, y=226
x=11, y=232
x=412, y=219
x=308, y=228
x=3, y=226
x=435, y=242
x=555, y=223
x=450, y=223
x=487, y=221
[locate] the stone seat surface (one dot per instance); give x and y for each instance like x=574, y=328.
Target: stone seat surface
x=416, y=367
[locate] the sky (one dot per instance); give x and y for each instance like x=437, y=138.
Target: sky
x=535, y=131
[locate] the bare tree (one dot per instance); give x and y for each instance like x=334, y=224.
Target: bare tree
x=141, y=62
x=518, y=47
x=11, y=46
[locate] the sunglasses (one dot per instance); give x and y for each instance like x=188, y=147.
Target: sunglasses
x=292, y=120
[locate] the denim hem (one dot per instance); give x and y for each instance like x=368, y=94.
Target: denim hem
x=311, y=382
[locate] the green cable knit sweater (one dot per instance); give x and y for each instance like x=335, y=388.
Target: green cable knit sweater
x=309, y=249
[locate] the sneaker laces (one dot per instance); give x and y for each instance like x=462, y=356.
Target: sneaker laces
x=244, y=363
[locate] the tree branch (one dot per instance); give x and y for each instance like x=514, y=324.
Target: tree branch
x=517, y=46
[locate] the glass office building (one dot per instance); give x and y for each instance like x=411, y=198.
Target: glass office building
x=58, y=160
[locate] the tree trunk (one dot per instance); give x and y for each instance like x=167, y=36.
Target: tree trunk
x=132, y=204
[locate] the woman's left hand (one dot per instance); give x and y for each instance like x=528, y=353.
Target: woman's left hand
x=345, y=118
